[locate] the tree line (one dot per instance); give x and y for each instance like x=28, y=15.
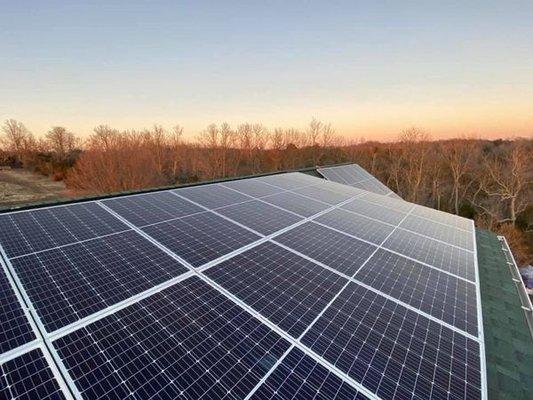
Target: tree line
x=490, y=181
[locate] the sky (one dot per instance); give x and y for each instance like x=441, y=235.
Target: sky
x=370, y=68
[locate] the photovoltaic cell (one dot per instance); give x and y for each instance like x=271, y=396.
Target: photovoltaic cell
x=385, y=201
x=443, y=296
x=29, y=231
x=15, y=330
x=440, y=255
x=357, y=225
x=373, y=185
x=299, y=377
x=336, y=175
x=29, y=377
x=260, y=217
x=322, y=193
x=296, y=203
x=188, y=341
x=340, y=252
x=374, y=211
x=393, y=351
x=355, y=176
x=252, y=187
x=443, y=217
x=439, y=231
x=291, y=180
x=201, y=238
x=151, y=208
x=285, y=288
x=213, y=196
x=343, y=189
x=72, y=282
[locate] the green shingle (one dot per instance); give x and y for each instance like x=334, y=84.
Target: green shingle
x=508, y=344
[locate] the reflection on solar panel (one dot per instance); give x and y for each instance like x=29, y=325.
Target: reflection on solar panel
x=29, y=231
x=362, y=207
x=15, y=330
x=289, y=287
x=355, y=176
x=303, y=206
x=439, y=255
x=387, y=202
x=72, y=282
x=323, y=193
x=187, y=341
x=201, y=238
x=441, y=295
x=151, y=208
x=444, y=218
x=299, y=377
x=253, y=187
x=439, y=231
x=342, y=253
x=29, y=377
x=213, y=196
x=290, y=181
x=393, y=351
x=259, y=216
x=357, y=225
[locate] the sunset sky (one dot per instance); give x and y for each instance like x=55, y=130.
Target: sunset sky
x=371, y=68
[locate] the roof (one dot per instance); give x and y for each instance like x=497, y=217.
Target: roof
x=508, y=344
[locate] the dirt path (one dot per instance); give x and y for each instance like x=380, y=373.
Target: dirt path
x=19, y=187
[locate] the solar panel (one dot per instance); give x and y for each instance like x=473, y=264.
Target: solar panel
x=252, y=187
x=336, y=302
x=201, y=238
x=355, y=176
x=340, y=188
x=340, y=252
x=388, y=202
x=393, y=351
x=260, y=217
x=436, y=230
x=322, y=193
x=303, y=206
x=290, y=180
x=72, y=282
x=440, y=255
x=380, y=213
x=213, y=196
x=151, y=208
x=374, y=186
x=441, y=295
x=29, y=377
x=357, y=225
x=15, y=330
x=299, y=377
x=286, y=288
x=442, y=217
x=29, y=231
x=187, y=341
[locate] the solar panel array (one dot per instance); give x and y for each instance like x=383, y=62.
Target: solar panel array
x=285, y=286
x=355, y=176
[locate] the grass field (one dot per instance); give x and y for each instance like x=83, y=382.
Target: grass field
x=18, y=187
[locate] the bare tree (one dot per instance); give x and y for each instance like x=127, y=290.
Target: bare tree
x=313, y=132
x=16, y=138
x=505, y=188
x=458, y=155
x=61, y=142
x=414, y=150
x=103, y=136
